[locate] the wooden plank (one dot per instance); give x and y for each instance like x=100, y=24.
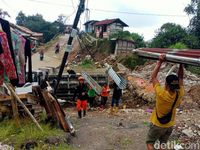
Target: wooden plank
x=15, y=110
x=59, y=112
x=48, y=106
x=9, y=98
x=24, y=106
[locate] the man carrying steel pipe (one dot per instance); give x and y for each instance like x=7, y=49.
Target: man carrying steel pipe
x=168, y=98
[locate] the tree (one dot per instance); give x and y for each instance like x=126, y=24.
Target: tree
x=178, y=45
x=191, y=41
x=61, y=19
x=139, y=40
x=121, y=35
x=168, y=34
x=21, y=18
x=37, y=23
x=3, y=14
x=193, y=9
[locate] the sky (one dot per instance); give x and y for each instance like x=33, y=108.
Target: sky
x=144, y=17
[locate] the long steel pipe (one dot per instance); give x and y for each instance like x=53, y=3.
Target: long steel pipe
x=169, y=57
x=121, y=82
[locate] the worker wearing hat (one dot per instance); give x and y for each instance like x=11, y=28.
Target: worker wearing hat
x=82, y=97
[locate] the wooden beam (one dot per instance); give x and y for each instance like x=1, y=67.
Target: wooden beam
x=15, y=110
x=24, y=106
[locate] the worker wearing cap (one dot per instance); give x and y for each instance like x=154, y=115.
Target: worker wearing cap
x=168, y=98
x=82, y=97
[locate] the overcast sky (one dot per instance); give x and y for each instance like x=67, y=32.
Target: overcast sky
x=142, y=16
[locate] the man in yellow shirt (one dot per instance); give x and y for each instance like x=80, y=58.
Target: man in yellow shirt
x=167, y=100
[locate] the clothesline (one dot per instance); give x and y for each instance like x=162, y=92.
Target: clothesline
x=15, y=53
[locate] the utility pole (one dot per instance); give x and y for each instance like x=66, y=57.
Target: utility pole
x=80, y=10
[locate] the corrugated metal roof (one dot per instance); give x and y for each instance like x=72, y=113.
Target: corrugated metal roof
x=27, y=31
x=109, y=21
x=91, y=22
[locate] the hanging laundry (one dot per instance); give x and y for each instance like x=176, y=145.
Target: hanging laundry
x=22, y=60
x=28, y=57
x=6, y=28
x=16, y=42
x=18, y=46
x=1, y=49
x=6, y=61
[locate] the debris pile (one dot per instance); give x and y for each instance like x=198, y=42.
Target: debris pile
x=140, y=89
x=187, y=129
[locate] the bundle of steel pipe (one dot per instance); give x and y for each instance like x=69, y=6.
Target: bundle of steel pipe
x=121, y=82
x=187, y=57
x=92, y=83
x=194, y=53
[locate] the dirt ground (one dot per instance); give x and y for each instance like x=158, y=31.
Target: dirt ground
x=127, y=130
x=101, y=131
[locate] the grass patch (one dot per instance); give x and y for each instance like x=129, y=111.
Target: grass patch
x=48, y=147
x=87, y=63
x=193, y=69
x=125, y=142
x=104, y=46
x=52, y=42
x=11, y=135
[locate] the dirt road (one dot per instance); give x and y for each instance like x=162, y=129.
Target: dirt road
x=50, y=58
x=128, y=130
x=101, y=131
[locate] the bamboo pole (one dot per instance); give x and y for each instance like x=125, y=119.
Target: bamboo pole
x=24, y=106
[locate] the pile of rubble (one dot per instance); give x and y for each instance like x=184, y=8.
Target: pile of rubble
x=187, y=128
x=140, y=90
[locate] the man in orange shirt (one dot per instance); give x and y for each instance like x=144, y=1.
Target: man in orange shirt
x=104, y=95
x=168, y=98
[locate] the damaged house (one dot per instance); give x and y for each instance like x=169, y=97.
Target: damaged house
x=104, y=28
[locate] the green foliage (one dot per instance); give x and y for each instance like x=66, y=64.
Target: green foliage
x=21, y=18
x=121, y=35
x=191, y=41
x=104, y=46
x=87, y=63
x=131, y=61
x=37, y=23
x=179, y=45
x=9, y=134
x=168, y=34
x=193, y=69
x=139, y=40
x=193, y=9
x=126, y=141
